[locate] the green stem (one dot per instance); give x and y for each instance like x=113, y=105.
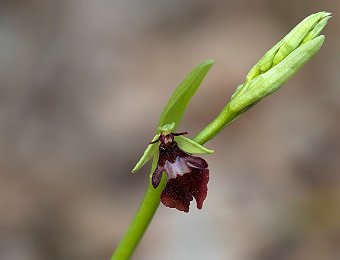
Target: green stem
x=151, y=200
x=210, y=131
x=140, y=222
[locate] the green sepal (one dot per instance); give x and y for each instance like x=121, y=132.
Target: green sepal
x=166, y=129
x=175, y=108
x=150, y=151
x=154, y=162
x=191, y=146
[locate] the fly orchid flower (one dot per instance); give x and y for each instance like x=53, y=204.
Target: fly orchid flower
x=187, y=175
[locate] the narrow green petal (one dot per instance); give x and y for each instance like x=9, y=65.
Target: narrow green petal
x=148, y=153
x=175, y=108
x=191, y=146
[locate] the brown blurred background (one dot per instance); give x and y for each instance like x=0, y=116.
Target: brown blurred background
x=82, y=84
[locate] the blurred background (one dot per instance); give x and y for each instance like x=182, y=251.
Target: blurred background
x=82, y=84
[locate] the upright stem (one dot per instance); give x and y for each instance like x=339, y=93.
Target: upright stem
x=140, y=222
x=151, y=199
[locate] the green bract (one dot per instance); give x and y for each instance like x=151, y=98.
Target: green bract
x=174, y=109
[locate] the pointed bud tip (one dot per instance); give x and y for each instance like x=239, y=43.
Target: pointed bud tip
x=326, y=15
x=209, y=61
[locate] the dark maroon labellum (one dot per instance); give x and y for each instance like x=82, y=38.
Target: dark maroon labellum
x=187, y=175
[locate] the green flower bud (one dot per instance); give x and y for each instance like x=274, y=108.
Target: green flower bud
x=306, y=30
x=267, y=83
x=279, y=64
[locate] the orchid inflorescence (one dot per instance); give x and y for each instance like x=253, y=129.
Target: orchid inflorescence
x=187, y=176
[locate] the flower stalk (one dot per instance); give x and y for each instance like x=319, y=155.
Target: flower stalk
x=279, y=64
